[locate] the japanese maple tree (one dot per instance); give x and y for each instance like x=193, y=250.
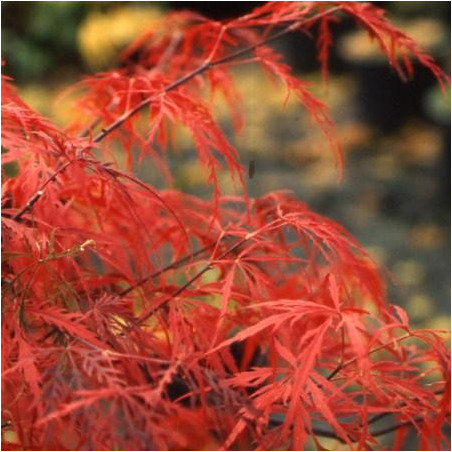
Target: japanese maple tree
x=114, y=339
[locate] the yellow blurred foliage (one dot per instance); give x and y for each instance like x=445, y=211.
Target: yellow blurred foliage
x=38, y=97
x=420, y=307
x=191, y=174
x=102, y=35
x=409, y=272
x=51, y=100
x=440, y=322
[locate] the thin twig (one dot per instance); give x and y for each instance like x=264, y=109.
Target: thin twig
x=379, y=417
x=392, y=428
x=34, y=199
x=341, y=366
x=203, y=270
x=169, y=51
x=330, y=434
x=175, y=264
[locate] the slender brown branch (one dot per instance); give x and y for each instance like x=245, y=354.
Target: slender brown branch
x=171, y=266
x=330, y=434
x=392, y=428
x=341, y=366
x=379, y=417
x=175, y=40
x=35, y=198
x=203, y=270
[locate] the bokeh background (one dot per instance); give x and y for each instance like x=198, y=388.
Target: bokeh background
x=395, y=195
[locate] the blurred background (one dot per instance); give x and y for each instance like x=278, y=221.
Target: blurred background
x=395, y=195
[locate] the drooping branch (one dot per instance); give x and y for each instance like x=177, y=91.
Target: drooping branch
x=203, y=270
x=207, y=65
x=175, y=264
x=35, y=198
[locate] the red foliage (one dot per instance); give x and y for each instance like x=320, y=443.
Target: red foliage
x=113, y=340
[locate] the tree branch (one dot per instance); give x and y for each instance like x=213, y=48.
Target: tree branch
x=199, y=70
x=175, y=264
x=206, y=268
x=392, y=428
x=353, y=360
x=330, y=434
x=208, y=64
x=35, y=198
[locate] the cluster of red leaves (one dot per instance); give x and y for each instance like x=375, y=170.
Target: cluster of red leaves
x=136, y=318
